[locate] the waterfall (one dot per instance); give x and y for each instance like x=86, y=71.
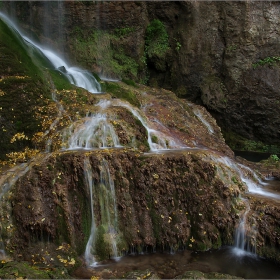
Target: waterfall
x=157, y=140
x=95, y=132
x=245, y=235
x=105, y=201
x=108, y=207
x=79, y=77
x=89, y=253
x=246, y=231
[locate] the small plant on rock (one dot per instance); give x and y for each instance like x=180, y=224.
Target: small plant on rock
x=275, y=158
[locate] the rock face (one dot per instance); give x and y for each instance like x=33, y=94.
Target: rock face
x=227, y=60
x=162, y=201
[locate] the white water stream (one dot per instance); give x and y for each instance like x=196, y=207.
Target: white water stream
x=245, y=235
x=246, y=173
x=79, y=77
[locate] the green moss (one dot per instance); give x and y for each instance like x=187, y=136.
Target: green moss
x=60, y=81
x=200, y=246
x=97, y=47
x=129, y=82
x=234, y=180
x=217, y=243
x=96, y=77
x=156, y=39
x=270, y=60
x=156, y=221
x=23, y=89
x=123, y=32
x=269, y=252
x=23, y=270
x=239, y=143
x=86, y=223
x=101, y=246
x=194, y=274
x=154, y=139
x=62, y=233
x=117, y=91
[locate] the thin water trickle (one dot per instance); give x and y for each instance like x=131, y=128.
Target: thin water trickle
x=246, y=231
x=157, y=140
x=198, y=113
x=89, y=253
x=107, y=199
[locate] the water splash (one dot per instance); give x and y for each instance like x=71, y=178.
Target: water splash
x=79, y=77
x=89, y=253
x=94, y=132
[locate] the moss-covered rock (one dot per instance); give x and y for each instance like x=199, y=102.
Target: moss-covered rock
x=23, y=89
x=23, y=270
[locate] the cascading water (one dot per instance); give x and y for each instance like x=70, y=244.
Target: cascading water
x=245, y=235
x=164, y=142
x=246, y=232
x=89, y=253
x=246, y=173
x=79, y=77
x=95, y=132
